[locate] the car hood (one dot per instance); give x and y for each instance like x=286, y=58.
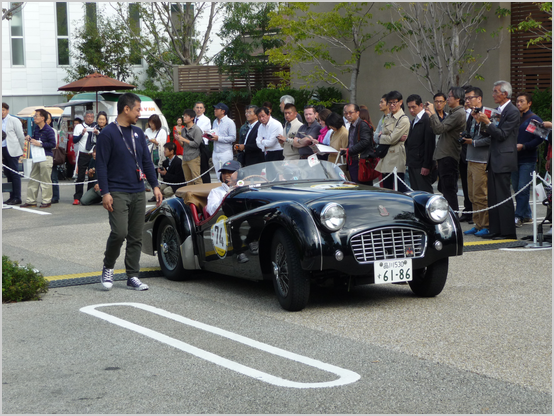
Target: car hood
x=363, y=204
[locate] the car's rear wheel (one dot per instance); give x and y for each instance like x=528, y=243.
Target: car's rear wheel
x=430, y=281
x=291, y=283
x=169, y=251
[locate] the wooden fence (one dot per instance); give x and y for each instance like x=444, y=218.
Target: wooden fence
x=206, y=78
x=531, y=66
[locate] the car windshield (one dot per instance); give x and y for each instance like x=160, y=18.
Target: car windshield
x=289, y=170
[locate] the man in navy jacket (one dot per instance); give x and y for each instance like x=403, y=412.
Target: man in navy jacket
x=122, y=163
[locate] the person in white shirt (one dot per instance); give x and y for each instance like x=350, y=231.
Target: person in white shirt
x=225, y=133
x=81, y=138
x=204, y=123
x=228, y=177
x=268, y=132
x=12, y=149
x=156, y=137
x=201, y=120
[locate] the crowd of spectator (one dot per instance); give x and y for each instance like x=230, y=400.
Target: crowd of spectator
x=453, y=137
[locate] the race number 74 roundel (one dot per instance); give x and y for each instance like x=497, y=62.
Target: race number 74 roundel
x=219, y=236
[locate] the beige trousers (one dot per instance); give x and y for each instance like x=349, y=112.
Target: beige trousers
x=191, y=169
x=477, y=190
x=41, y=172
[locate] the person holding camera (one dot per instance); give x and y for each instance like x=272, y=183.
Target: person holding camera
x=477, y=156
x=447, y=151
x=171, y=171
x=190, y=139
x=502, y=162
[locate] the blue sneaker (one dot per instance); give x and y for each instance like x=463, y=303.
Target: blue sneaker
x=482, y=232
x=472, y=231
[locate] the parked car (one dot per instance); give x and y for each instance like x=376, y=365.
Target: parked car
x=300, y=222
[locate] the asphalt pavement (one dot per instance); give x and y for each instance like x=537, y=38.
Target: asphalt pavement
x=220, y=345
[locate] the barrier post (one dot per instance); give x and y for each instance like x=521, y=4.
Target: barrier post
x=534, y=207
x=534, y=244
x=395, y=179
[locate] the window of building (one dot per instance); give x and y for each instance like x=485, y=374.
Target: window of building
x=16, y=33
x=91, y=13
x=134, y=20
x=62, y=33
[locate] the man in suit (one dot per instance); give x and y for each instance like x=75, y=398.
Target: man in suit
x=171, y=171
x=420, y=146
x=12, y=149
x=250, y=152
x=502, y=161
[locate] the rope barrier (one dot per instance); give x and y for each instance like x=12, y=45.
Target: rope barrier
x=95, y=180
x=391, y=173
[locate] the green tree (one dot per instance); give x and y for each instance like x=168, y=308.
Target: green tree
x=440, y=39
x=168, y=34
x=325, y=45
x=100, y=46
x=543, y=37
x=245, y=42
x=14, y=8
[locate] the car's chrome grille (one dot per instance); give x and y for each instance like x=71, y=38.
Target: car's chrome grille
x=388, y=243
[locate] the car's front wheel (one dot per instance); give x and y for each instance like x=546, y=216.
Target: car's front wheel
x=430, y=280
x=291, y=283
x=169, y=251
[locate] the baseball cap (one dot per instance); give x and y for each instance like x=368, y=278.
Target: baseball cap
x=231, y=166
x=222, y=106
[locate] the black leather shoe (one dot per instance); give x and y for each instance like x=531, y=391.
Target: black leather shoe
x=506, y=237
x=153, y=199
x=470, y=222
x=465, y=217
x=490, y=235
x=14, y=202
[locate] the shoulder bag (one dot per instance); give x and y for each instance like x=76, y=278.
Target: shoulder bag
x=381, y=150
x=59, y=154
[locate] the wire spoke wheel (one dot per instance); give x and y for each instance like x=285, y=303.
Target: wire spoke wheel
x=169, y=251
x=291, y=282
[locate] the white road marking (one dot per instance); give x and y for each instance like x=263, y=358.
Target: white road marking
x=32, y=211
x=345, y=376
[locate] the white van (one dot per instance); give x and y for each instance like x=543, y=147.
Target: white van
x=107, y=101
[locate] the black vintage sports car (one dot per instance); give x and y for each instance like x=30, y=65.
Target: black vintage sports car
x=301, y=222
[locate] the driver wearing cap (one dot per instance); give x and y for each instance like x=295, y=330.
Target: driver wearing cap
x=228, y=177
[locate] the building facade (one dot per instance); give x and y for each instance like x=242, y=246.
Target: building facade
x=35, y=51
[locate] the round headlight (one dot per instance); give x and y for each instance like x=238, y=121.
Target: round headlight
x=333, y=216
x=437, y=208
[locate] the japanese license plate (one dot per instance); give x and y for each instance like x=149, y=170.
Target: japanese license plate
x=392, y=271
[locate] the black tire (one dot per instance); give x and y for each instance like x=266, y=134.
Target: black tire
x=169, y=251
x=430, y=281
x=291, y=283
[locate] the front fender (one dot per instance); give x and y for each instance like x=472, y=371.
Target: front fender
x=297, y=220
x=176, y=212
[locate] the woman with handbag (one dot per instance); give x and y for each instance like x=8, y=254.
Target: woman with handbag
x=360, y=149
x=41, y=145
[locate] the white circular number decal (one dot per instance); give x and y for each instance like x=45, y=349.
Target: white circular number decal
x=219, y=236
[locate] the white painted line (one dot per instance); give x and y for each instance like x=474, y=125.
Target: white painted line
x=32, y=211
x=345, y=376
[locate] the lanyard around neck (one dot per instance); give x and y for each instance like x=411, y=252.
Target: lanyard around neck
x=134, y=151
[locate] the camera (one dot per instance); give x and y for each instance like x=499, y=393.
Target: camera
x=476, y=111
x=465, y=135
